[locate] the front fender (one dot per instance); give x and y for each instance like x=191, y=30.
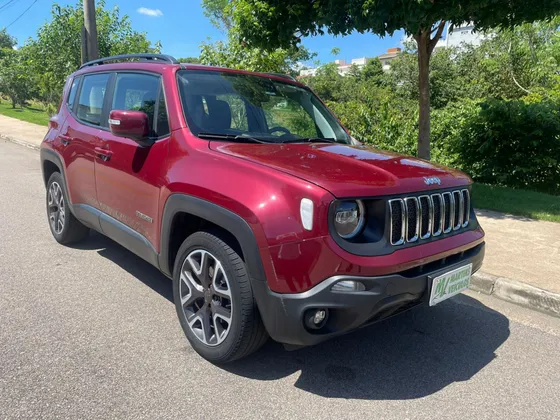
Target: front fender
x=219, y=216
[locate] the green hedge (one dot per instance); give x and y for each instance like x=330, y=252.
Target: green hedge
x=510, y=143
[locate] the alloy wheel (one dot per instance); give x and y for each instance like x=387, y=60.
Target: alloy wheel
x=206, y=297
x=57, y=209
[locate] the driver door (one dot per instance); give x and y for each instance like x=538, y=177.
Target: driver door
x=129, y=177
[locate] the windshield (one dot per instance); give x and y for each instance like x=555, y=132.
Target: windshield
x=240, y=106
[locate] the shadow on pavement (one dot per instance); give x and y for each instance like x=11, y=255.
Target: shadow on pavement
x=136, y=266
x=409, y=356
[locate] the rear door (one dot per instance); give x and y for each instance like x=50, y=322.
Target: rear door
x=79, y=136
x=129, y=180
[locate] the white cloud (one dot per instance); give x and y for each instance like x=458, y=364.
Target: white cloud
x=150, y=12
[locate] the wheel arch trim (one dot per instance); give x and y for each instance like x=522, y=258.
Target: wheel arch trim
x=220, y=216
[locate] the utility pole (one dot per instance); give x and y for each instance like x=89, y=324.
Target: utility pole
x=89, y=35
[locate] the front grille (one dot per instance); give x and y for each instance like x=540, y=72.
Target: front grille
x=417, y=218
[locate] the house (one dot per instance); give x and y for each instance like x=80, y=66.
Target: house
x=389, y=56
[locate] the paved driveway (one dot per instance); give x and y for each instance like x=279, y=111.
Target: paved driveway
x=90, y=332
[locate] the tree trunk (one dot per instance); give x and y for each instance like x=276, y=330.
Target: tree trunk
x=423, y=40
x=13, y=102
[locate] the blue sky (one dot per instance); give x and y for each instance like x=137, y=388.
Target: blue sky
x=181, y=27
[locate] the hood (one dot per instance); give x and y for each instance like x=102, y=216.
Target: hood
x=348, y=171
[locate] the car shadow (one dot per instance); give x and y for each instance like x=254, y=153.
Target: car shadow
x=409, y=356
x=136, y=266
x=412, y=355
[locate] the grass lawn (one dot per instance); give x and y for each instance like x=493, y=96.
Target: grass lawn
x=519, y=202
x=33, y=114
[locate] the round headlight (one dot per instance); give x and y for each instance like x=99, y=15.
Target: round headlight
x=349, y=218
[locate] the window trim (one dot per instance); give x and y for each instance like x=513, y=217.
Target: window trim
x=161, y=89
x=79, y=92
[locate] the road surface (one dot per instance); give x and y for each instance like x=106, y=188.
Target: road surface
x=90, y=332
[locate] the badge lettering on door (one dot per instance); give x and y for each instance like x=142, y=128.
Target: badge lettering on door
x=144, y=217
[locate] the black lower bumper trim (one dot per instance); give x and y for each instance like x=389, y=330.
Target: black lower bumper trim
x=383, y=297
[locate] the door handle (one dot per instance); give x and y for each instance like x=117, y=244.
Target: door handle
x=65, y=140
x=104, y=154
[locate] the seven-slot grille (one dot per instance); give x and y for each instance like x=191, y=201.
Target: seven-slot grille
x=414, y=218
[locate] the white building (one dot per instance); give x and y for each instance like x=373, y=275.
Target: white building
x=456, y=36
x=389, y=56
x=308, y=72
x=343, y=66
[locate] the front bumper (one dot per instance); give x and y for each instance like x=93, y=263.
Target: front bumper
x=283, y=314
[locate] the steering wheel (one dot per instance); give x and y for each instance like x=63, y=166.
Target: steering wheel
x=280, y=129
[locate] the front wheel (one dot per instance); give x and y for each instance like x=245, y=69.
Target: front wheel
x=214, y=300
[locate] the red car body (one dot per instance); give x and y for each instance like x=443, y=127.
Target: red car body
x=262, y=184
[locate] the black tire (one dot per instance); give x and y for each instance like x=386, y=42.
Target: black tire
x=246, y=330
x=72, y=230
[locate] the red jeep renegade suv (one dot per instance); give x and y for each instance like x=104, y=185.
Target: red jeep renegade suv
x=247, y=191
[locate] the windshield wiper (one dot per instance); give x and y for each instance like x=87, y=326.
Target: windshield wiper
x=230, y=137
x=311, y=140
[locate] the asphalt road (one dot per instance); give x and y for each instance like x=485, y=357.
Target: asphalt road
x=90, y=332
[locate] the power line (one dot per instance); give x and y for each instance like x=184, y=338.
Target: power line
x=20, y=16
x=7, y=4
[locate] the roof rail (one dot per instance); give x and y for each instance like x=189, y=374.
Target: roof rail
x=141, y=57
x=283, y=76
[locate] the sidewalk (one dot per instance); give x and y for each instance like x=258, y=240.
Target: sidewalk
x=21, y=132
x=522, y=263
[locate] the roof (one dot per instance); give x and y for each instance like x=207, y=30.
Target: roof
x=148, y=62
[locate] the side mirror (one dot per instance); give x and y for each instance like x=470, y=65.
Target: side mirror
x=133, y=125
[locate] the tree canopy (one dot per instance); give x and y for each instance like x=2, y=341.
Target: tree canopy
x=56, y=51
x=235, y=53
x=283, y=23
x=6, y=40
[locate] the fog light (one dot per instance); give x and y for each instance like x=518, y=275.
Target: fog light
x=320, y=316
x=348, y=286
x=316, y=318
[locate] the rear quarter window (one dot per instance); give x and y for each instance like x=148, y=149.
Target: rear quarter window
x=73, y=91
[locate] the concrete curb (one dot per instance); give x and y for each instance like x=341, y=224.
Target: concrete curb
x=517, y=292
x=500, y=287
x=20, y=142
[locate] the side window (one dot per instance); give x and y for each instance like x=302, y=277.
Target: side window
x=73, y=91
x=90, y=103
x=137, y=92
x=162, y=128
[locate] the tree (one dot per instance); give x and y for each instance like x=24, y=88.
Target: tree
x=6, y=40
x=56, y=52
x=15, y=78
x=191, y=60
x=424, y=20
x=7, y=43
x=235, y=53
x=218, y=13
x=373, y=70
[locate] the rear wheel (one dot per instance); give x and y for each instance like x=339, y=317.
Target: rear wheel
x=214, y=300
x=65, y=228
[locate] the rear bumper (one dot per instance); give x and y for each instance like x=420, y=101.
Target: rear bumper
x=283, y=314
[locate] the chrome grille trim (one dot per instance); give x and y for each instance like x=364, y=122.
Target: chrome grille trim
x=458, y=209
x=408, y=202
x=466, y=207
x=439, y=221
x=433, y=210
x=446, y=211
x=400, y=201
x=430, y=209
